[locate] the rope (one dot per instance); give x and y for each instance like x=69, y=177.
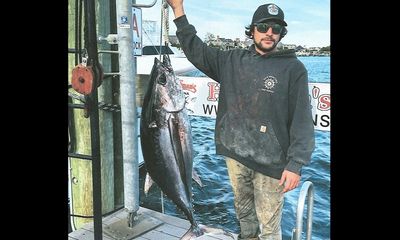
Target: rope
x=161, y=25
x=101, y=105
x=164, y=14
x=165, y=22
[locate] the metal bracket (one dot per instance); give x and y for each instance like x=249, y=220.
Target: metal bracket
x=144, y=5
x=120, y=230
x=111, y=38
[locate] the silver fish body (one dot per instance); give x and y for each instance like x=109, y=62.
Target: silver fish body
x=166, y=140
x=166, y=137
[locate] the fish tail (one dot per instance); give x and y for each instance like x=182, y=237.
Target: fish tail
x=193, y=232
x=199, y=230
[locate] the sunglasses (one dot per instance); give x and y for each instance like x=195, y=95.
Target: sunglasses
x=263, y=27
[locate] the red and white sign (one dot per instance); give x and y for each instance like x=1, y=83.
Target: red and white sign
x=320, y=100
x=202, y=98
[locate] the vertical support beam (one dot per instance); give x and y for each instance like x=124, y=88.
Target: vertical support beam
x=94, y=118
x=106, y=117
x=127, y=69
x=96, y=165
x=81, y=170
x=118, y=160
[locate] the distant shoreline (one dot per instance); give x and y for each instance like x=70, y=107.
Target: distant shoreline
x=320, y=55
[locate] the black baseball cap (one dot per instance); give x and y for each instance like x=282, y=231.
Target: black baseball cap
x=269, y=11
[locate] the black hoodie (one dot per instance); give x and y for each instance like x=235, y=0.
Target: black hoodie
x=264, y=115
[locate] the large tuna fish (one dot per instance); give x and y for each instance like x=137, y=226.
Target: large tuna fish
x=166, y=141
x=166, y=138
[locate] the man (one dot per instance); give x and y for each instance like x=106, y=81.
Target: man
x=264, y=126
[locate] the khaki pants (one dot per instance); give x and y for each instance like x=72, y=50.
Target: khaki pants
x=258, y=202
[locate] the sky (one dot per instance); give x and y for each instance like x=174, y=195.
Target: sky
x=308, y=20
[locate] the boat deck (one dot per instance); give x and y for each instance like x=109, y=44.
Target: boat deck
x=164, y=227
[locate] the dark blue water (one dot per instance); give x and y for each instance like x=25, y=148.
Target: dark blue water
x=319, y=68
x=213, y=204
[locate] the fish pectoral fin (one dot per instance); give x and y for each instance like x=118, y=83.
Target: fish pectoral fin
x=196, y=178
x=148, y=182
x=153, y=124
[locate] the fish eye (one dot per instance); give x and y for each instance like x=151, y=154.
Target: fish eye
x=162, y=80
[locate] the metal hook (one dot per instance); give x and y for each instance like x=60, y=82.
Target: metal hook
x=144, y=5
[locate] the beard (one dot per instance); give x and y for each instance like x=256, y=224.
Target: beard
x=266, y=49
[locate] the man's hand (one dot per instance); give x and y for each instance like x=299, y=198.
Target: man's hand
x=177, y=7
x=290, y=179
x=175, y=3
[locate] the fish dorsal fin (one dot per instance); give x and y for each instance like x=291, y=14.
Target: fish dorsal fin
x=148, y=182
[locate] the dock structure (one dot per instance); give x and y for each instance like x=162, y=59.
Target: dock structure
x=164, y=227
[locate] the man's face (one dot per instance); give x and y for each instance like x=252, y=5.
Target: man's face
x=266, y=36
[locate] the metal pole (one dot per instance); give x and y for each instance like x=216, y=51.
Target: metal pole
x=127, y=69
x=307, y=190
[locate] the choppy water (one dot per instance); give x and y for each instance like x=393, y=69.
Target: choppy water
x=213, y=204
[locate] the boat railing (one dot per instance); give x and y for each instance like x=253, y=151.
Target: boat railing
x=307, y=191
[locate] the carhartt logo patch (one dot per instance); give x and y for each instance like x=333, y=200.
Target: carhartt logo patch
x=263, y=128
x=273, y=9
x=269, y=84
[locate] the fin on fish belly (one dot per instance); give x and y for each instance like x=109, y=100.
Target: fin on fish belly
x=196, y=178
x=148, y=182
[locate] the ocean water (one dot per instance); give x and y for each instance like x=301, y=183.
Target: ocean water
x=213, y=204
